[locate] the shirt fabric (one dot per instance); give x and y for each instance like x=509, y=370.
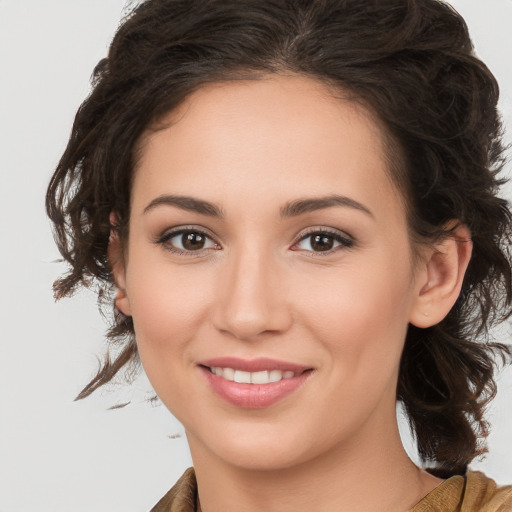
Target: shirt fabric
x=473, y=492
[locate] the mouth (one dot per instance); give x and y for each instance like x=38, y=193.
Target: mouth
x=260, y=377
x=254, y=384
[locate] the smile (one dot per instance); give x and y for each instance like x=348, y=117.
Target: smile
x=253, y=384
x=243, y=377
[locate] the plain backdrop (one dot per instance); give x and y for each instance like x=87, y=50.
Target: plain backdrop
x=57, y=455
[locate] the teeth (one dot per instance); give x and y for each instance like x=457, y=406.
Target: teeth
x=275, y=376
x=259, y=377
x=242, y=377
x=227, y=373
x=263, y=377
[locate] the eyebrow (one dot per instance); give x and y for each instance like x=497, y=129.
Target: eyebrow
x=186, y=203
x=302, y=206
x=291, y=209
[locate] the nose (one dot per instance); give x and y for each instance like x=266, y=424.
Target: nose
x=252, y=297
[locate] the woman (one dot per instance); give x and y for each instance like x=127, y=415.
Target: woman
x=296, y=202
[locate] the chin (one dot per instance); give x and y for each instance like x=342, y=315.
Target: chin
x=263, y=458
x=255, y=447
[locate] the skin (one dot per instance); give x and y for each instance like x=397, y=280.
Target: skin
x=259, y=289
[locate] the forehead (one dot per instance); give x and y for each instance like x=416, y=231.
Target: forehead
x=276, y=136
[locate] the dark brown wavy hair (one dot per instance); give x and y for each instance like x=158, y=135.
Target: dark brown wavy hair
x=411, y=63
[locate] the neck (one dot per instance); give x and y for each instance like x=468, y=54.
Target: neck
x=360, y=476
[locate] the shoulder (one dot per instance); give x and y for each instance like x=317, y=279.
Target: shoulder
x=473, y=492
x=484, y=493
x=182, y=496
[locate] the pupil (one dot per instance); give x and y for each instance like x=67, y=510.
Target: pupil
x=322, y=242
x=193, y=241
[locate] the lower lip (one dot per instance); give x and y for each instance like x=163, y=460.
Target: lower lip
x=254, y=396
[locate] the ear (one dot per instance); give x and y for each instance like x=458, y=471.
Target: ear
x=117, y=264
x=439, y=277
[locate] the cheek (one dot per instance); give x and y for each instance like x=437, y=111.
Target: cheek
x=168, y=306
x=361, y=314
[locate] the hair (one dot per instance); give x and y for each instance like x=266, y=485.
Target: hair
x=409, y=62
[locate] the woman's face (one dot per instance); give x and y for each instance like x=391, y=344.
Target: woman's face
x=268, y=245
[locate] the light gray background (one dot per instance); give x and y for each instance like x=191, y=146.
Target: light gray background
x=56, y=454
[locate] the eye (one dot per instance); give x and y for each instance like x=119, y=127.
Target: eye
x=186, y=241
x=323, y=242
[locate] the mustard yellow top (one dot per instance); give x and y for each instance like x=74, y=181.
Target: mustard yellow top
x=473, y=492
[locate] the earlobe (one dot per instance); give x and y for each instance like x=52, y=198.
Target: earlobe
x=441, y=277
x=116, y=260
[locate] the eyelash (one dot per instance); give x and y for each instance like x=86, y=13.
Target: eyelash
x=165, y=239
x=344, y=241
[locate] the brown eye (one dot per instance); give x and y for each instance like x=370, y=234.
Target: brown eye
x=187, y=241
x=193, y=241
x=323, y=241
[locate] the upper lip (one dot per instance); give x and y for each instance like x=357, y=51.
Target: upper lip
x=253, y=365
